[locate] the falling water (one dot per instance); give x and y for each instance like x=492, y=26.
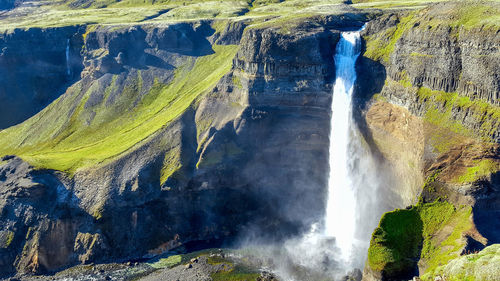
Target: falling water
x=357, y=191
x=68, y=69
x=340, y=221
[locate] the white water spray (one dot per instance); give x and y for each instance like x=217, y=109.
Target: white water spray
x=68, y=68
x=340, y=221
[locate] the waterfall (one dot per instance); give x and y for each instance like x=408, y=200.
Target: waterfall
x=340, y=220
x=68, y=69
x=357, y=192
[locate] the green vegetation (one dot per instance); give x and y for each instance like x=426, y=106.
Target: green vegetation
x=440, y=107
x=229, y=272
x=436, y=252
x=394, y=243
x=484, y=265
x=461, y=14
x=6, y=238
x=380, y=46
x=49, y=141
x=54, y=14
x=214, y=157
x=168, y=262
x=171, y=164
x=393, y=4
x=488, y=115
x=482, y=168
x=406, y=235
x=236, y=273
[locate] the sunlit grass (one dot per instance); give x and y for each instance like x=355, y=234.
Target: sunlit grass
x=59, y=137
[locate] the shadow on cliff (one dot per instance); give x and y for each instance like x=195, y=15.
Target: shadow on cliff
x=370, y=80
x=50, y=231
x=487, y=211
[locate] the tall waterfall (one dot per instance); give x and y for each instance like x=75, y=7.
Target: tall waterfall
x=357, y=192
x=68, y=68
x=340, y=221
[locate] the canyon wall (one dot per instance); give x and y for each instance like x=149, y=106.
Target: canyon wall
x=248, y=155
x=171, y=134
x=34, y=69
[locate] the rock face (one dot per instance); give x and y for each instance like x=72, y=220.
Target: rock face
x=42, y=62
x=251, y=154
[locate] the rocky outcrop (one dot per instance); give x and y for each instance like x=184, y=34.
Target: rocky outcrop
x=44, y=227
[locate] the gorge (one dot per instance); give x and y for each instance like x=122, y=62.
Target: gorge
x=136, y=132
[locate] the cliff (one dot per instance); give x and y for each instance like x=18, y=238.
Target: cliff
x=42, y=63
x=161, y=131
x=175, y=138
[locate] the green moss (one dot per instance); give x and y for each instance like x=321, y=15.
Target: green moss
x=171, y=164
x=237, y=273
x=392, y=4
x=6, y=238
x=481, y=266
x=214, y=157
x=237, y=82
x=481, y=168
x=202, y=126
x=216, y=259
x=420, y=55
x=379, y=97
x=381, y=46
x=48, y=140
x=89, y=29
x=394, y=244
x=465, y=14
x=167, y=262
x=428, y=184
x=441, y=105
x=404, y=236
x=405, y=79
x=436, y=253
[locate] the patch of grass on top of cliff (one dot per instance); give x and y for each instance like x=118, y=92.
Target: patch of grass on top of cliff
x=393, y=4
x=64, y=137
x=454, y=14
x=465, y=14
x=380, y=46
x=56, y=17
x=403, y=236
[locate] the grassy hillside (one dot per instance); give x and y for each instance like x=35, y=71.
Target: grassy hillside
x=72, y=12
x=53, y=14
x=62, y=138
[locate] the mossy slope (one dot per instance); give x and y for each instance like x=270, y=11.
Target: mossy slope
x=484, y=266
x=76, y=131
x=407, y=236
